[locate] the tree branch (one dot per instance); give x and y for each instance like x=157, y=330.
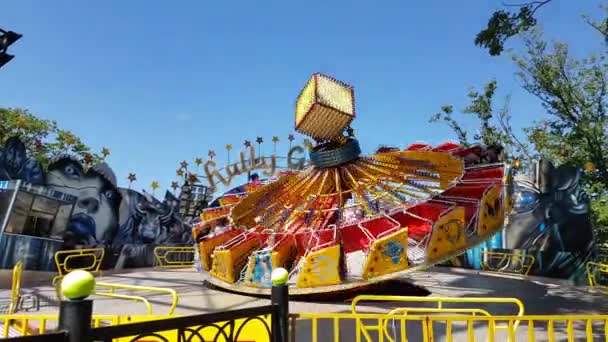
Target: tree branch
x=536, y=5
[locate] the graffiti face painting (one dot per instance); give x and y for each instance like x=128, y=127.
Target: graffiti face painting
x=95, y=217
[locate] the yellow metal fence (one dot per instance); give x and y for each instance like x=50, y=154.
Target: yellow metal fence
x=597, y=274
x=515, y=262
x=15, y=288
x=173, y=257
x=356, y=327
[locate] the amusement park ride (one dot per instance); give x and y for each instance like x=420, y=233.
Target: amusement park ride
x=349, y=220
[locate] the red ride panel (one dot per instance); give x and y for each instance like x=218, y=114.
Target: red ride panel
x=418, y=147
x=353, y=238
x=416, y=228
x=496, y=173
x=448, y=147
x=378, y=225
x=473, y=191
x=430, y=211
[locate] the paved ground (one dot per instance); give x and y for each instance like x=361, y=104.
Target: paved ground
x=540, y=296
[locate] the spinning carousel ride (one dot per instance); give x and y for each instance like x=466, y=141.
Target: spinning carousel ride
x=349, y=220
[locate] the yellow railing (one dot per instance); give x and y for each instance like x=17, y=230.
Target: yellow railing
x=111, y=293
x=440, y=304
x=516, y=262
x=96, y=255
x=597, y=270
x=113, y=287
x=63, y=258
x=27, y=325
x=450, y=328
x=162, y=253
x=349, y=327
x=15, y=287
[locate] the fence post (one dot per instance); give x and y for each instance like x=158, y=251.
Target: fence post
x=279, y=296
x=76, y=313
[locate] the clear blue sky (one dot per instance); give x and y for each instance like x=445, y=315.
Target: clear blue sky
x=160, y=82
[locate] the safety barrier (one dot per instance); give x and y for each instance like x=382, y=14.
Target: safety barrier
x=515, y=262
x=162, y=253
x=254, y=324
x=113, y=287
x=464, y=305
x=597, y=274
x=246, y=329
x=75, y=323
x=64, y=258
x=426, y=328
x=30, y=325
x=15, y=287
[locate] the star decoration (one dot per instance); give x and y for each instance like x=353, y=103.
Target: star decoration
x=105, y=152
x=180, y=172
x=174, y=185
x=589, y=167
x=247, y=143
x=184, y=164
x=259, y=140
x=211, y=154
x=198, y=161
x=154, y=185
x=291, y=137
x=132, y=178
x=275, y=139
x=229, y=147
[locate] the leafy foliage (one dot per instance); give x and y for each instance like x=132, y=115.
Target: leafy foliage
x=503, y=25
x=43, y=139
x=495, y=128
x=574, y=93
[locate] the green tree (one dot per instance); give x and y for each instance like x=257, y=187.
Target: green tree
x=504, y=24
x=495, y=125
x=42, y=138
x=574, y=93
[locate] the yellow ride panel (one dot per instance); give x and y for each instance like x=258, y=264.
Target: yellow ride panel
x=448, y=235
x=207, y=246
x=321, y=268
x=387, y=255
x=227, y=263
x=491, y=214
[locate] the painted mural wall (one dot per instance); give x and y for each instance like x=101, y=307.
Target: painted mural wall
x=127, y=223
x=550, y=221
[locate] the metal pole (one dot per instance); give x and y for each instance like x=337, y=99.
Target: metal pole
x=9, y=209
x=279, y=296
x=75, y=318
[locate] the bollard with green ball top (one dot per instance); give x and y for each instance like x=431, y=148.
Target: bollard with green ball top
x=76, y=312
x=279, y=296
x=77, y=285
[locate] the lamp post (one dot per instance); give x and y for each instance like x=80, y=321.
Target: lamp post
x=7, y=38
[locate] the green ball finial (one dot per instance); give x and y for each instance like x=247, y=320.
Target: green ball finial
x=78, y=284
x=279, y=276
